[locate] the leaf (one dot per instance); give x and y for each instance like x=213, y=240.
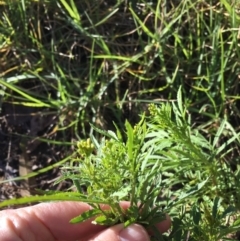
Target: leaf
x=129, y=139
x=216, y=205
x=113, y=135
x=86, y=215
x=219, y=132
x=95, y=142
x=177, y=230
x=156, y=233
x=228, y=211
x=144, y=27
x=49, y=192
x=225, y=144
x=196, y=215
x=157, y=219
x=179, y=100
x=63, y=196
x=119, y=135
x=193, y=190
x=130, y=221
x=43, y=170
x=237, y=222
x=105, y=133
x=105, y=220
x=142, y=188
x=122, y=193
x=24, y=93
x=133, y=212
x=72, y=11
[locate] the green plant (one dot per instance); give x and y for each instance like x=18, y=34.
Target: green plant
x=160, y=165
x=83, y=62
x=112, y=171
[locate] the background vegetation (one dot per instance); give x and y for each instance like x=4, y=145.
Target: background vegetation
x=65, y=64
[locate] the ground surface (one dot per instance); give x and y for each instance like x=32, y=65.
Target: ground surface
x=22, y=152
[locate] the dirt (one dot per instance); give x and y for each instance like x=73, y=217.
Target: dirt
x=22, y=151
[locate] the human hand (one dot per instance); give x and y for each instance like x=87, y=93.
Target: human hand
x=50, y=222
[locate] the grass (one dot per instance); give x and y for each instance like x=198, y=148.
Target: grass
x=104, y=61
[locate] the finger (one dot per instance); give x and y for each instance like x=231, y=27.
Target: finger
x=134, y=232
x=164, y=225
x=50, y=221
x=46, y=221
x=57, y=216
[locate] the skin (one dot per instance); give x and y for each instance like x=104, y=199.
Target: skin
x=50, y=222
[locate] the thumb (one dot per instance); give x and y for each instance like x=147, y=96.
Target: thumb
x=134, y=232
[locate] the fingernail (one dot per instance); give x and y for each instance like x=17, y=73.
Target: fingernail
x=134, y=232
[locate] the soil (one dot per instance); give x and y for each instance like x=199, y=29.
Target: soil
x=22, y=151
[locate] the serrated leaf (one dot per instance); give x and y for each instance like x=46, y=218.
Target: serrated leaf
x=86, y=215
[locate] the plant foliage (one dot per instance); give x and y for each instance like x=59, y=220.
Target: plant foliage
x=104, y=61
x=159, y=165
